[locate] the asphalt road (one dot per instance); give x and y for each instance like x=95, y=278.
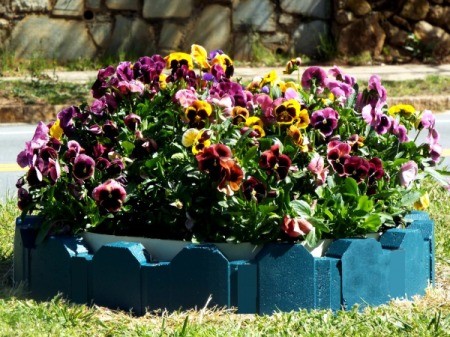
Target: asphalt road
x=13, y=138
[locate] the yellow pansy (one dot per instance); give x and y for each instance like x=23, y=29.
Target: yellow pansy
x=162, y=81
x=189, y=137
x=56, y=131
x=423, y=202
x=271, y=78
x=292, y=65
x=176, y=60
x=200, y=56
x=296, y=135
x=287, y=112
x=303, y=119
x=198, y=113
x=404, y=110
x=256, y=124
x=225, y=62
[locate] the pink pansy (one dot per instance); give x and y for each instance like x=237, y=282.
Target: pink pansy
x=400, y=131
x=296, y=227
x=435, y=152
x=340, y=76
x=186, y=97
x=408, y=172
x=291, y=93
x=39, y=140
x=433, y=136
x=427, y=119
x=317, y=166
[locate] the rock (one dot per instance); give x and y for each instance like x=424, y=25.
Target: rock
x=395, y=36
x=132, y=5
x=286, y=19
x=344, y=17
x=212, y=29
x=439, y=16
x=320, y=9
x=69, y=39
x=435, y=38
x=170, y=36
x=359, y=7
x=363, y=35
x=93, y=4
x=132, y=36
x=439, y=2
x=68, y=8
x=415, y=9
x=258, y=15
x=242, y=46
x=276, y=42
x=162, y=9
x=4, y=23
x=101, y=30
x=30, y=5
x=306, y=38
x=339, y=4
x=402, y=22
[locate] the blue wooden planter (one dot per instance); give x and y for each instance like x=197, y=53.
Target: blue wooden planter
x=282, y=276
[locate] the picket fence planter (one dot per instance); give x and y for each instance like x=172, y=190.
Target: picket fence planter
x=284, y=277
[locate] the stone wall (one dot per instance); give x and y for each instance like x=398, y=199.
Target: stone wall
x=74, y=29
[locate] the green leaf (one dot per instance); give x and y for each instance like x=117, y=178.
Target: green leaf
x=128, y=147
x=249, y=155
x=351, y=186
x=365, y=204
x=311, y=238
x=410, y=198
x=372, y=223
x=301, y=208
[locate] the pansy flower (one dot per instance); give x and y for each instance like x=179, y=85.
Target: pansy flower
x=287, y=112
x=196, y=139
x=232, y=176
x=325, y=120
x=296, y=227
x=110, y=195
x=239, y=115
x=356, y=167
x=337, y=154
x=314, y=76
x=274, y=162
x=403, y=110
x=253, y=189
x=132, y=121
x=257, y=125
x=198, y=113
x=300, y=140
x=176, y=60
x=83, y=167
x=200, y=56
x=225, y=62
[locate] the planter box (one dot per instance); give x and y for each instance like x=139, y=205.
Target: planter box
x=281, y=277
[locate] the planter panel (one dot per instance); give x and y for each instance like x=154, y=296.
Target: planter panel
x=281, y=277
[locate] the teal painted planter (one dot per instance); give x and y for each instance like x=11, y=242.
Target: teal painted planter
x=281, y=277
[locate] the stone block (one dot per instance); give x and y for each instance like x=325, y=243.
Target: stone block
x=328, y=283
x=81, y=279
x=242, y=46
x=50, y=267
x=286, y=19
x=416, y=273
x=170, y=36
x=259, y=15
x=101, y=30
x=320, y=9
x=162, y=9
x=212, y=29
x=132, y=36
x=93, y=4
x=70, y=39
x=30, y=5
x=68, y=8
x=156, y=286
x=439, y=16
x=306, y=37
x=196, y=273
x=244, y=286
x=117, y=267
x=359, y=7
x=276, y=41
x=131, y=5
x=363, y=269
x=286, y=278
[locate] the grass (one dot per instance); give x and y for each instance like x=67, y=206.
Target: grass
x=431, y=85
x=424, y=316
x=45, y=92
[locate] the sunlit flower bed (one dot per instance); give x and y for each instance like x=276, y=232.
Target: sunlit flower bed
x=180, y=148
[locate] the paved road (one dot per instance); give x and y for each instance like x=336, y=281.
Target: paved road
x=13, y=138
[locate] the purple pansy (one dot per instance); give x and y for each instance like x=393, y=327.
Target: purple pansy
x=83, y=167
x=39, y=140
x=110, y=195
x=314, y=75
x=325, y=120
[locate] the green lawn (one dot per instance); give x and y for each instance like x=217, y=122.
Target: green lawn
x=425, y=316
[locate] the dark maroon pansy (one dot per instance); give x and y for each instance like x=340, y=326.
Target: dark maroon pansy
x=110, y=129
x=253, y=189
x=115, y=168
x=24, y=198
x=110, y=195
x=132, y=121
x=275, y=163
x=83, y=167
x=337, y=154
x=357, y=168
x=376, y=171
